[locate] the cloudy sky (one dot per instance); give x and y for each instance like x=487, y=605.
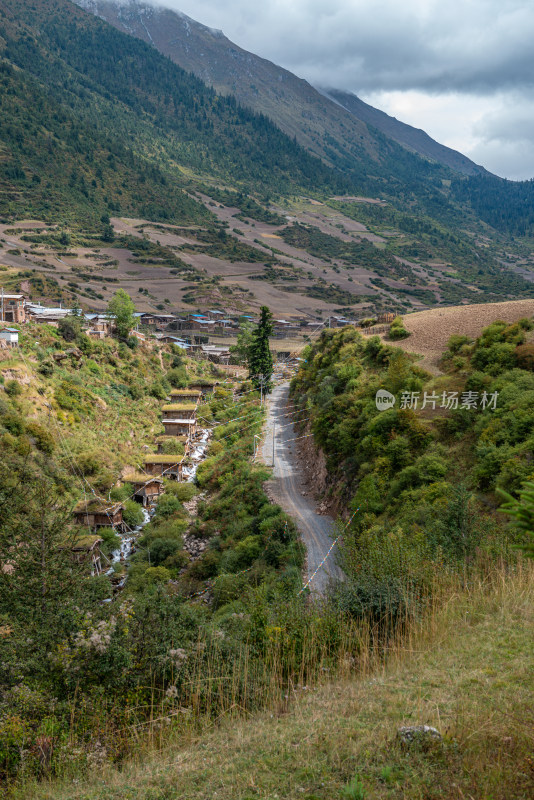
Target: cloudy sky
x=463, y=70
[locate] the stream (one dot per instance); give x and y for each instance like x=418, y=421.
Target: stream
x=123, y=554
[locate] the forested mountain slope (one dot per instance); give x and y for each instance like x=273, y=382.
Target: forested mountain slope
x=384, y=155
x=322, y=122
x=101, y=120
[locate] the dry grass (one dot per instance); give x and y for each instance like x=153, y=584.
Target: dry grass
x=467, y=669
x=432, y=329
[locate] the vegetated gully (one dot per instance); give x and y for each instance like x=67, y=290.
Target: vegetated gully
x=287, y=489
x=128, y=540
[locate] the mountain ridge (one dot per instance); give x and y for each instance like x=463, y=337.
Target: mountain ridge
x=310, y=113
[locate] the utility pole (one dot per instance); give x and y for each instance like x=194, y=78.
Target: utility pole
x=2, y=304
x=274, y=433
x=256, y=436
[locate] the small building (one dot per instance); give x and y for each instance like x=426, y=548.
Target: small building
x=385, y=318
x=180, y=426
x=87, y=549
x=99, y=513
x=10, y=336
x=164, y=466
x=161, y=441
x=100, y=325
x=167, y=338
x=186, y=395
x=203, y=385
x=12, y=308
x=184, y=410
x=146, y=488
x=50, y=315
x=216, y=353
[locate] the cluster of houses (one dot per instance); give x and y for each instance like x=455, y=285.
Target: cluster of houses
x=179, y=420
x=190, y=332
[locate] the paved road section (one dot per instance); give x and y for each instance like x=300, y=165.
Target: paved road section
x=286, y=488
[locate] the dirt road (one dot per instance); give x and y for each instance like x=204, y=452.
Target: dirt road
x=286, y=488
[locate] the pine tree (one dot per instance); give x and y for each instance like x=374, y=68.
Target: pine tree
x=260, y=360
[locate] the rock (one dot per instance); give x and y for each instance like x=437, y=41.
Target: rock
x=418, y=733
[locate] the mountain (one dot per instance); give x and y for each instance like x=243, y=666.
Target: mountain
x=335, y=125
x=95, y=121
x=412, y=138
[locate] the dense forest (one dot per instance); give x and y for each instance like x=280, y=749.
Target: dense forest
x=96, y=121
x=506, y=205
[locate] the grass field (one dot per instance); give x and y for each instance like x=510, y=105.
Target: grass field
x=466, y=669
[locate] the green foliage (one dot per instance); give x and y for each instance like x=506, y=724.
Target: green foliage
x=13, y=388
x=122, y=308
x=397, y=329
x=410, y=480
x=521, y=509
x=259, y=356
x=354, y=790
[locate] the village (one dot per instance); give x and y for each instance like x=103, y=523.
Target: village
x=197, y=333
x=182, y=443
x=181, y=431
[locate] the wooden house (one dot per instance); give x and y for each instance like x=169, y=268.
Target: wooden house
x=185, y=396
x=161, y=441
x=164, y=466
x=182, y=410
x=87, y=549
x=203, y=385
x=99, y=513
x=180, y=426
x=146, y=488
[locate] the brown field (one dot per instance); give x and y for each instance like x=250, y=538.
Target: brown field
x=432, y=329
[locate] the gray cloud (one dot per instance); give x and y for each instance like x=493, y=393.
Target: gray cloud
x=478, y=45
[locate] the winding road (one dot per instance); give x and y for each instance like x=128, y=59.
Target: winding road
x=286, y=488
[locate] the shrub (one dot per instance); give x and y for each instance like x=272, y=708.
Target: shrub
x=43, y=438
x=183, y=491
x=160, y=549
x=13, y=388
x=167, y=506
x=119, y=493
x=173, y=447
x=397, y=329
x=132, y=514
x=524, y=354
x=156, y=575
x=177, y=377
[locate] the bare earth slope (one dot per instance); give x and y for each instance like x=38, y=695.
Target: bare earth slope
x=430, y=330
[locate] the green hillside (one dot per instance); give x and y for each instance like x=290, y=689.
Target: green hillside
x=96, y=122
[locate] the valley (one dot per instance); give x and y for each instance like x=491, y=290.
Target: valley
x=266, y=430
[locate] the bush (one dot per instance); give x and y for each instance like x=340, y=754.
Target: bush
x=159, y=550
x=132, y=514
x=13, y=388
x=173, y=447
x=183, y=491
x=43, y=438
x=168, y=505
x=397, y=329
x=524, y=355
x=178, y=377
